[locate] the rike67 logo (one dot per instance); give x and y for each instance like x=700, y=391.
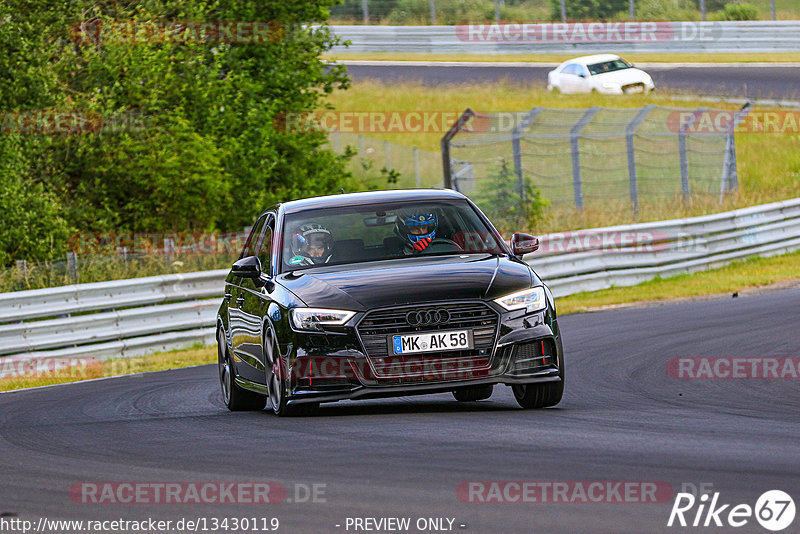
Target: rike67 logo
x=774, y=510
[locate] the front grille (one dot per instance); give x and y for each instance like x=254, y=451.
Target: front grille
x=633, y=88
x=377, y=326
x=533, y=357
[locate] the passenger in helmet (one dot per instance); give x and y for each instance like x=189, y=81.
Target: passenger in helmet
x=417, y=228
x=312, y=244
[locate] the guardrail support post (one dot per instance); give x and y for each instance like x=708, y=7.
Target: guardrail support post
x=516, y=147
x=630, y=130
x=577, y=186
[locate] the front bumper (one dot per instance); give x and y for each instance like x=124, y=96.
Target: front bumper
x=526, y=349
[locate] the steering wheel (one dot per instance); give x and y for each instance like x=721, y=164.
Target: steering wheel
x=443, y=242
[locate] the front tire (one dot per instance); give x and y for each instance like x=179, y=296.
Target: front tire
x=545, y=395
x=237, y=399
x=276, y=382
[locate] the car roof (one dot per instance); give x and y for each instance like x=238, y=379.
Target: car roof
x=590, y=60
x=369, y=197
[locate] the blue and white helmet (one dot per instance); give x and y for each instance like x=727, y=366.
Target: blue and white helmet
x=419, y=227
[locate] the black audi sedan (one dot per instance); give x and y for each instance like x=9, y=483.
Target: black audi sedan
x=384, y=294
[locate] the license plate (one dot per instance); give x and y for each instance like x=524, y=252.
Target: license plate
x=432, y=342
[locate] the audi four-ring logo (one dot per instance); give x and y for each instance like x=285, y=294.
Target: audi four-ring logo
x=427, y=317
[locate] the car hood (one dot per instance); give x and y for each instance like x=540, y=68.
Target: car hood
x=409, y=280
x=622, y=77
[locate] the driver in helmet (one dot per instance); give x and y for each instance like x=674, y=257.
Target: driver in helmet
x=417, y=229
x=312, y=244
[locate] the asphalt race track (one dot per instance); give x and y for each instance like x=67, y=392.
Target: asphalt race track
x=622, y=419
x=741, y=81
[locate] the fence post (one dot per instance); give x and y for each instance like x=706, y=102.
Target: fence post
x=516, y=147
x=730, y=180
x=685, y=189
x=703, y=9
x=72, y=267
x=169, y=250
x=335, y=135
x=365, y=10
x=386, y=158
x=22, y=267
x=630, y=130
x=577, y=186
x=632, y=9
x=361, y=145
x=433, y=11
x=563, y=11
x=447, y=172
x=416, y=167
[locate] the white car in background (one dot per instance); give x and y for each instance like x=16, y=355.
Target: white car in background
x=603, y=73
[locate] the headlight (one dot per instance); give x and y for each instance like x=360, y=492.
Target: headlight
x=533, y=299
x=608, y=85
x=315, y=318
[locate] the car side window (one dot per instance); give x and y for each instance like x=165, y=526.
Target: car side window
x=570, y=69
x=252, y=240
x=265, y=247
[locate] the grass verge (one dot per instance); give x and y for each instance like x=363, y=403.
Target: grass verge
x=197, y=355
x=779, y=57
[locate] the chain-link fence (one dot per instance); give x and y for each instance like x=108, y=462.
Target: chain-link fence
x=380, y=164
x=594, y=156
x=102, y=256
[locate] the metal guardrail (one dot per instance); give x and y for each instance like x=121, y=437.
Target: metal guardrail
x=126, y=318
x=694, y=37
x=629, y=254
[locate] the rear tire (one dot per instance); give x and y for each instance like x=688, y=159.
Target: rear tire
x=473, y=393
x=236, y=398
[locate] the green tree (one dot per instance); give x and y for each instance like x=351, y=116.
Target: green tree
x=206, y=151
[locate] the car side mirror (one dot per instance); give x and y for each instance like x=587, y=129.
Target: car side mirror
x=581, y=75
x=247, y=267
x=522, y=244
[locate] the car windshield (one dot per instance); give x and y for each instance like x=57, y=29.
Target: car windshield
x=354, y=234
x=608, y=66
